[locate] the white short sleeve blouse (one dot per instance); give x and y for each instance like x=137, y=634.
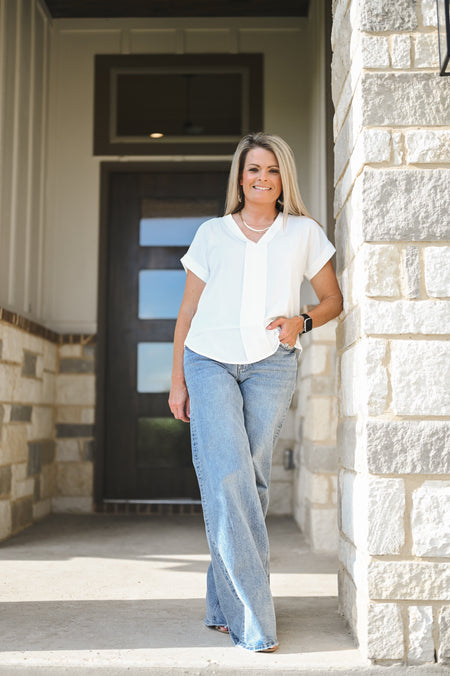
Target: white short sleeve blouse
x=248, y=284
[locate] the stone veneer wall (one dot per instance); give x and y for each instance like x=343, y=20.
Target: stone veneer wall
x=46, y=423
x=74, y=426
x=315, y=453
x=392, y=204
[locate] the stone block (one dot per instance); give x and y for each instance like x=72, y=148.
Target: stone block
x=405, y=317
x=398, y=145
x=48, y=389
x=74, y=479
x=76, y=365
x=351, y=489
x=13, y=344
x=430, y=519
x=324, y=385
x=29, y=390
x=382, y=270
x=89, y=450
x=69, y=414
x=428, y=146
x=349, y=329
x=34, y=458
x=67, y=505
x=401, y=51
x=50, y=356
x=320, y=423
x=426, y=53
x=23, y=489
x=385, y=639
x=37, y=489
x=409, y=447
x=325, y=333
x=383, y=15
x=323, y=532
x=48, y=482
x=317, y=487
x=314, y=361
x=347, y=600
x=68, y=450
x=404, y=99
x=420, y=391
x=444, y=635
x=29, y=364
x=21, y=413
x=437, y=271
x=280, y=498
x=5, y=519
x=87, y=416
x=67, y=430
x=42, y=422
x=69, y=350
x=411, y=276
x=8, y=376
x=319, y=458
x=389, y=213
x=429, y=14
x=75, y=389
x=41, y=509
x=408, y=580
x=374, y=52
x=374, y=392
x=386, y=511
x=5, y=480
x=21, y=514
x=89, y=351
x=421, y=645
x=14, y=444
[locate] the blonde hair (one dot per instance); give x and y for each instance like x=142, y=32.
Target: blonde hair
x=290, y=201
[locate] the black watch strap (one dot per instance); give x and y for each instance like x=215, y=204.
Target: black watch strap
x=307, y=323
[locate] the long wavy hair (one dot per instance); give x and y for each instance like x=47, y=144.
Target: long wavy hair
x=290, y=201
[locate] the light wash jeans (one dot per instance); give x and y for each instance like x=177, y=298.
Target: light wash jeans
x=237, y=411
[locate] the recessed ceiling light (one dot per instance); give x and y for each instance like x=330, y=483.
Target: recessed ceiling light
x=156, y=134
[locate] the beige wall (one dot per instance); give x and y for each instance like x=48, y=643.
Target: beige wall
x=71, y=249
x=25, y=31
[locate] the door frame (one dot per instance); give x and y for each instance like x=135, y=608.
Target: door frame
x=106, y=170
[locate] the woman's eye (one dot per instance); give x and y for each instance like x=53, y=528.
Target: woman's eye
x=253, y=169
x=274, y=171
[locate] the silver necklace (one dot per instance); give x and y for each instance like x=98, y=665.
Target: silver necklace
x=256, y=229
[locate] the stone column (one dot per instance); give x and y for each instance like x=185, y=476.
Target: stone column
x=315, y=451
x=392, y=205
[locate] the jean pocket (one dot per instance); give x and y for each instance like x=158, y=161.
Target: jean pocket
x=286, y=347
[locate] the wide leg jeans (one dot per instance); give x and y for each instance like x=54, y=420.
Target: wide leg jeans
x=237, y=411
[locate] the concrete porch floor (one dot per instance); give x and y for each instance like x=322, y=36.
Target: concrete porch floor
x=111, y=595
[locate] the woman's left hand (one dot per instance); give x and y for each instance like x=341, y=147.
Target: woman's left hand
x=290, y=328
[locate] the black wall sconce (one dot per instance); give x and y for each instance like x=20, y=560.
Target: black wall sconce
x=443, y=14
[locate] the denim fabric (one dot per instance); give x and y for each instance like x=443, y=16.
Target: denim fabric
x=237, y=411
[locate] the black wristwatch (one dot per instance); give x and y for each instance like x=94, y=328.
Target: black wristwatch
x=307, y=323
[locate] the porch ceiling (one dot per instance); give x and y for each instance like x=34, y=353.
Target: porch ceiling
x=175, y=8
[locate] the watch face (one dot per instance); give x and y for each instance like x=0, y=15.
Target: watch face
x=307, y=323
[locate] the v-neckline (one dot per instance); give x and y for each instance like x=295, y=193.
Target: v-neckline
x=266, y=237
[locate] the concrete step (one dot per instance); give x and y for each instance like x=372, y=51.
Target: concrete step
x=115, y=595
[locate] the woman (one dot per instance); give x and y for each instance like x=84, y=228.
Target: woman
x=235, y=368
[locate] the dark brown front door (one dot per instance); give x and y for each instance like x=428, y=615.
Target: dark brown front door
x=152, y=218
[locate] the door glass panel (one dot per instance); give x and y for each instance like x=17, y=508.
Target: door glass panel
x=168, y=231
x=154, y=367
x=163, y=442
x=160, y=293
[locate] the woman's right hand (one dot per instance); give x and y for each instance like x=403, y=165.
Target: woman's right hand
x=179, y=402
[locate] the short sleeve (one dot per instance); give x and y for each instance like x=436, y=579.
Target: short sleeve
x=196, y=257
x=320, y=250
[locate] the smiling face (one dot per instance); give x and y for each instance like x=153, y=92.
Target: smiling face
x=261, y=180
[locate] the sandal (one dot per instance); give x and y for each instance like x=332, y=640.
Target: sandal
x=268, y=650
x=222, y=629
